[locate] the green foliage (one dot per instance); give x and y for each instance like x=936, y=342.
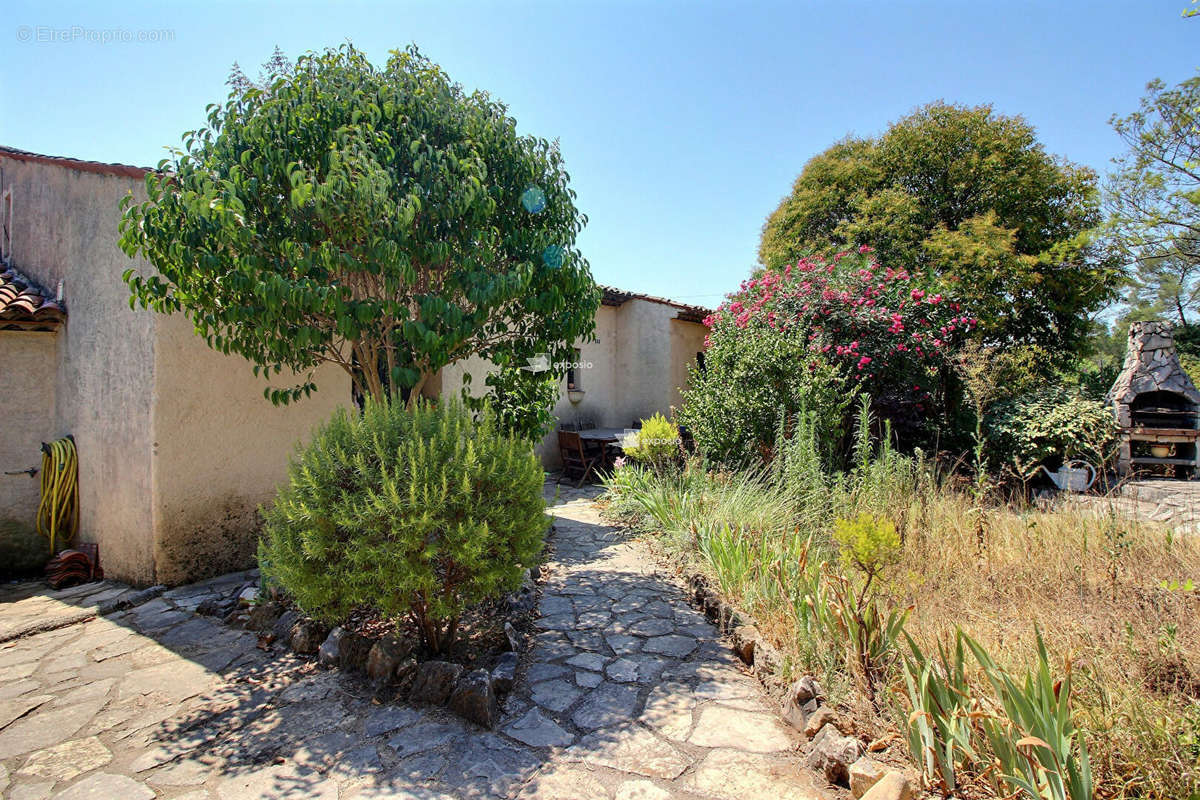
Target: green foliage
x=378, y=218
x=1153, y=200
x=867, y=542
x=523, y=401
x=656, y=443
x=1035, y=740
x=752, y=376
x=1051, y=423
x=416, y=513
x=939, y=730
x=970, y=198
x=868, y=625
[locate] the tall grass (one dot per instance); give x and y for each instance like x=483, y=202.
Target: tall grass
x=1108, y=594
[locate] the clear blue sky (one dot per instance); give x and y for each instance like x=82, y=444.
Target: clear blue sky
x=682, y=122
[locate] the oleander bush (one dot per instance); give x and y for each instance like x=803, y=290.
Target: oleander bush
x=417, y=514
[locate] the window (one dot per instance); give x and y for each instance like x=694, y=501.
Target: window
x=573, y=378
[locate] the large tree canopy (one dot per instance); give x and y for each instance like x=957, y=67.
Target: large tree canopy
x=381, y=219
x=969, y=201
x=1154, y=200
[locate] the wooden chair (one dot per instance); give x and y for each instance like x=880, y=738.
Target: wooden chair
x=576, y=461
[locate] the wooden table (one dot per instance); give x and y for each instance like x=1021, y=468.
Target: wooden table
x=607, y=439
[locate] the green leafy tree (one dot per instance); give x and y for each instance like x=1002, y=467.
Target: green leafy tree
x=969, y=201
x=380, y=219
x=416, y=513
x=1153, y=200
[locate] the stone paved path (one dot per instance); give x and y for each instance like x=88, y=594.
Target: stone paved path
x=627, y=694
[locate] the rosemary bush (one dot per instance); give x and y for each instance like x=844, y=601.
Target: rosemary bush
x=418, y=514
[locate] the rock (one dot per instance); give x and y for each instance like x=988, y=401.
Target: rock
x=892, y=786
x=103, y=784
x=433, y=682
x=722, y=727
x=504, y=674
x=805, y=689
x=831, y=754
x=712, y=604
x=536, y=730
x=513, y=638
x=797, y=715
x=405, y=673
x=823, y=716
x=64, y=761
x=214, y=607
x=354, y=650
x=262, y=616
x=384, y=657
x=329, y=654
x=745, y=637
x=282, y=629
x=767, y=661
x=248, y=596
x=865, y=773
x=308, y=635
x=474, y=700
x=236, y=618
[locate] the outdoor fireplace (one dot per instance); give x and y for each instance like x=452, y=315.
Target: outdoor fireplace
x=1157, y=406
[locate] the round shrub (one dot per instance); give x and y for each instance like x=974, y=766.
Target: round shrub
x=417, y=513
x=656, y=443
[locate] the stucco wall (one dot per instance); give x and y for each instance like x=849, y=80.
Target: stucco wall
x=27, y=397
x=636, y=366
x=177, y=446
x=64, y=228
x=220, y=450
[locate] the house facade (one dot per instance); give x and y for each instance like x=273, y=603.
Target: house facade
x=177, y=446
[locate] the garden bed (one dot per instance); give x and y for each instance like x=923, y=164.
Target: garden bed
x=1107, y=594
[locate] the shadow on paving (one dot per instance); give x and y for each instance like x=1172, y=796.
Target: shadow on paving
x=619, y=692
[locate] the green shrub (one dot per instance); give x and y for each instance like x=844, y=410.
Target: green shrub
x=656, y=444
x=751, y=378
x=417, y=514
x=1051, y=424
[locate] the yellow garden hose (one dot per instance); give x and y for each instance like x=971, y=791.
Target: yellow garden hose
x=58, y=513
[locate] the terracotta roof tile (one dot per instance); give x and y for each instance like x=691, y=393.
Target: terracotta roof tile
x=80, y=164
x=25, y=304
x=615, y=297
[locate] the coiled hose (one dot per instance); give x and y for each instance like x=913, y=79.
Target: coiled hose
x=58, y=513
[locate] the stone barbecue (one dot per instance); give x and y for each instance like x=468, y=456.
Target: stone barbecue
x=1157, y=406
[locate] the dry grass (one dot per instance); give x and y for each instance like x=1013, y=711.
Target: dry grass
x=1097, y=584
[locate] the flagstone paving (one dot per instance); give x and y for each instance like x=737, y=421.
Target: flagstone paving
x=626, y=693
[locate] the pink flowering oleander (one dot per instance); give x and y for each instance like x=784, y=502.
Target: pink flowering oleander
x=855, y=311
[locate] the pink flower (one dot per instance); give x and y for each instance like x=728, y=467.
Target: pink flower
x=864, y=249
x=917, y=294
x=862, y=362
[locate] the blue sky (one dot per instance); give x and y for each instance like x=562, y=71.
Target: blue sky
x=682, y=122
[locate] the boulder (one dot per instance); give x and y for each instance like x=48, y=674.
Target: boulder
x=745, y=638
x=384, y=657
x=308, y=635
x=831, y=754
x=248, y=596
x=329, y=654
x=797, y=715
x=282, y=629
x=262, y=616
x=806, y=689
x=822, y=717
x=354, y=650
x=504, y=674
x=865, y=773
x=892, y=786
x=433, y=682
x=473, y=699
